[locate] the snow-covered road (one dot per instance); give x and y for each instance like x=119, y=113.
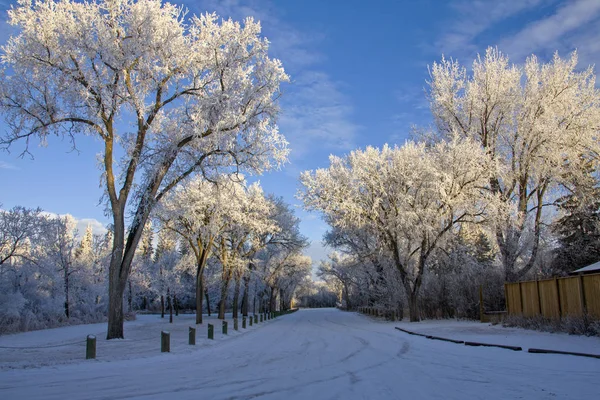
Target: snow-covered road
x=317, y=354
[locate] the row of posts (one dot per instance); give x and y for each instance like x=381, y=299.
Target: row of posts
x=391, y=315
x=165, y=337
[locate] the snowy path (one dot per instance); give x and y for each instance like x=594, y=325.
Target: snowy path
x=317, y=354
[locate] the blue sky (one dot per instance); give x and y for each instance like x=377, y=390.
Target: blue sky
x=358, y=72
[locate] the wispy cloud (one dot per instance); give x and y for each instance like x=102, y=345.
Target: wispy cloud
x=317, y=115
x=475, y=18
x=315, y=112
x=550, y=25
x=5, y=165
x=559, y=31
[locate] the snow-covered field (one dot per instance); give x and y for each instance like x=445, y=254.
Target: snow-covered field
x=311, y=354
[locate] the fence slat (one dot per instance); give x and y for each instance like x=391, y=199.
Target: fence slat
x=592, y=295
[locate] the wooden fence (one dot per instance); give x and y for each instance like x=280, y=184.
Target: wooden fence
x=555, y=298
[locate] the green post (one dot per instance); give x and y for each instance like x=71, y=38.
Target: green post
x=192, y=336
x=251, y=319
x=255, y=319
x=211, y=331
x=261, y=317
x=224, y=327
x=90, y=347
x=165, y=342
x=243, y=322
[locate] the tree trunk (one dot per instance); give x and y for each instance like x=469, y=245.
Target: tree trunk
x=115, y=309
x=162, y=306
x=413, y=307
x=236, y=296
x=130, y=298
x=347, y=297
x=245, y=299
x=223, y=302
x=201, y=263
x=176, y=305
x=207, y=302
x=199, y=297
x=170, y=305
x=67, y=293
x=271, y=298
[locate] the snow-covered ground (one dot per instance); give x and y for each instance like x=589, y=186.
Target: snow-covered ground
x=142, y=339
x=311, y=354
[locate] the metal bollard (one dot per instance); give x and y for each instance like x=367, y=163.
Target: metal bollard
x=90, y=347
x=224, y=327
x=211, y=331
x=165, y=342
x=192, y=336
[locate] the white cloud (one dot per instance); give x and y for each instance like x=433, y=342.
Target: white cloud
x=315, y=112
x=475, y=18
x=81, y=224
x=561, y=26
x=5, y=165
x=551, y=33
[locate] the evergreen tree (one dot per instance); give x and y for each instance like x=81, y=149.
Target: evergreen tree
x=578, y=230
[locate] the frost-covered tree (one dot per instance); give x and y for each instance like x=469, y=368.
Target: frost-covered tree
x=372, y=261
x=245, y=228
x=18, y=227
x=278, y=253
x=166, y=94
x=539, y=123
x=578, y=228
x=410, y=197
x=198, y=211
x=59, y=250
x=342, y=269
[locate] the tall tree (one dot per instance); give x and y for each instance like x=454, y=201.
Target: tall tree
x=197, y=211
x=18, y=227
x=410, y=197
x=537, y=122
x=173, y=94
x=245, y=228
x=578, y=228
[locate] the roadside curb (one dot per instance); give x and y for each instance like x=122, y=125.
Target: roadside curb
x=569, y=353
x=414, y=333
x=501, y=346
x=446, y=339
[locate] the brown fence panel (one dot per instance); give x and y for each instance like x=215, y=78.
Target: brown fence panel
x=549, y=298
x=591, y=290
x=513, y=300
x=553, y=298
x=530, y=298
x=570, y=296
